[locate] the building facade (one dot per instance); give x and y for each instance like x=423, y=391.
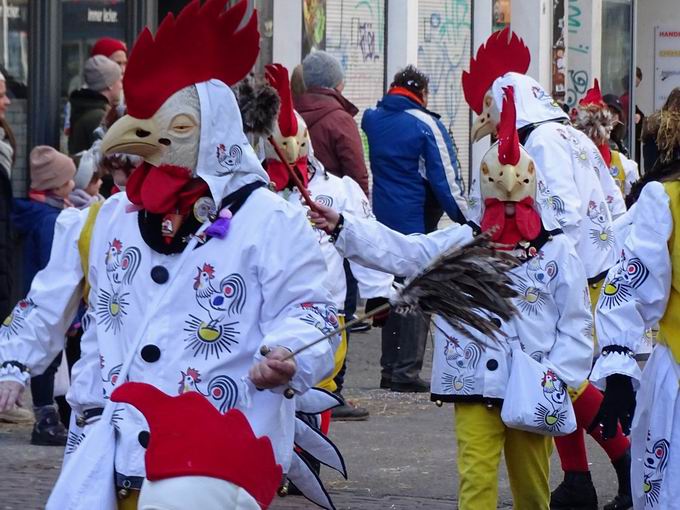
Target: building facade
x=43, y=45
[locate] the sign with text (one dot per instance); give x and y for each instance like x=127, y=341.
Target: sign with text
x=666, y=62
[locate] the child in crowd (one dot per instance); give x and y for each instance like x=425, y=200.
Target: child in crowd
x=52, y=176
x=88, y=181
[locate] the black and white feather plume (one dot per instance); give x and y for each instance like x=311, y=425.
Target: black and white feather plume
x=469, y=287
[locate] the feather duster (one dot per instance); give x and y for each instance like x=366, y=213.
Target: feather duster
x=468, y=287
x=259, y=104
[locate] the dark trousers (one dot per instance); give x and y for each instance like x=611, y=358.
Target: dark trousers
x=42, y=386
x=403, y=347
x=350, y=310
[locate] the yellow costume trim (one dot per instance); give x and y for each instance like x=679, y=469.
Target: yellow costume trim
x=84, y=244
x=329, y=383
x=620, y=176
x=575, y=393
x=669, y=325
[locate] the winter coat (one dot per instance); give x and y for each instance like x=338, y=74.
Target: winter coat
x=414, y=166
x=5, y=243
x=88, y=108
x=334, y=133
x=35, y=221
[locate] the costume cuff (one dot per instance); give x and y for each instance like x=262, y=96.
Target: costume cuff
x=14, y=371
x=615, y=362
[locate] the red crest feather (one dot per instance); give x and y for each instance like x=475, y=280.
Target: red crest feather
x=209, y=270
x=503, y=52
x=508, y=140
x=202, y=43
x=593, y=97
x=277, y=76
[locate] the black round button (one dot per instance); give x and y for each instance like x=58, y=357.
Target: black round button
x=151, y=353
x=159, y=274
x=496, y=321
x=492, y=364
x=143, y=438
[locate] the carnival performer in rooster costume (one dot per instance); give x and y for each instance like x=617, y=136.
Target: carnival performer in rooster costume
x=592, y=116
x=291, y=135
x=641, y=291
x=576, y=184
x=157, y=262
x=553, y=324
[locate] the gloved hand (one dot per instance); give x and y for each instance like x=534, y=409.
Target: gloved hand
x=380, y=318
x=617, y=406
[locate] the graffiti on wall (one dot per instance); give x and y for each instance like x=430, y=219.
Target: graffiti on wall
x=444, y=53
x=578, y=77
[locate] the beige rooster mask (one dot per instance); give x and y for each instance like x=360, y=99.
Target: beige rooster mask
x=183, y=118
x=508, y=184
x=290, y=134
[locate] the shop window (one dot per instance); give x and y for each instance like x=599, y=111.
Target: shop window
x=83, y=23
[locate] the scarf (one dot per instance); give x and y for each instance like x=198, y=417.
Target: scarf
x=403, y=91
x=606, y=153
x=49, y=198
x=525, y=225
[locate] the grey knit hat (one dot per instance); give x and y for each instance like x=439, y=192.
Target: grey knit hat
x=100, y=73
x=321, y=69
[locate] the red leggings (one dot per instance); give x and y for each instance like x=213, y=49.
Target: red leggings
x=572, y=448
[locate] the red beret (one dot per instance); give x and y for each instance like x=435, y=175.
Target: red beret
x=107, y=46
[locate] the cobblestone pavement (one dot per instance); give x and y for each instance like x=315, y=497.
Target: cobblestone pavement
x=402, y=458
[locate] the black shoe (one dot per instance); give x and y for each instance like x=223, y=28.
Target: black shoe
x=576, y=492
x=349, y=412
x=385, y=383
x=415, y=386
x=360, y=327
x=624, y=499
x=48, y=429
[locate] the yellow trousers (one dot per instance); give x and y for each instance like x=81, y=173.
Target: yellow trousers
x=129, y=502
x=329, y=383
x=481, y=437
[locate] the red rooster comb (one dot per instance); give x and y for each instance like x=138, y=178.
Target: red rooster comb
x=508, y=140
x=277, y=76
x=503, y=52
x=593, y=97
x=190, y=437
x=202, y=43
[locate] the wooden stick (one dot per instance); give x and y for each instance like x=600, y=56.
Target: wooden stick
x=303, y=191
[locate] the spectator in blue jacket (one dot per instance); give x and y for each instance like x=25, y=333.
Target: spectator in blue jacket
x=34, y=218
x=415, y=179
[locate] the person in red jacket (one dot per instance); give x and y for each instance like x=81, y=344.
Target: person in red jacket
x=330, y=118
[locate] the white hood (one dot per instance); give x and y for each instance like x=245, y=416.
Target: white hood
x=226, y=160
x=532, y=102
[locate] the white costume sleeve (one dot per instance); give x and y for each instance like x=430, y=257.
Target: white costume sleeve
x=374, y=245
x=296, y=307
x=572, y=352
x=35, y=331
x=630, y=169
x=371, y=283
x=635, y=293
x=553, y=162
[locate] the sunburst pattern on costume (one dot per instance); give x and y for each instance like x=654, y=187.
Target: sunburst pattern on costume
x=602, y=238
x=15, y=320
x=73, y=442
x=111, y=310
x=618, y=288
x=549, y=419
x=209, y=339
x=531, y=299
x=454, y=383
x=117, y=418
x=654, y=466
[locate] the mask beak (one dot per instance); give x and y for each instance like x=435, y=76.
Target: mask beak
x=290, y=149
x=130, y=135
x=481, y=127
x=508, y=181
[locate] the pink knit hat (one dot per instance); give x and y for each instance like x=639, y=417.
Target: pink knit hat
x=50, y=169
